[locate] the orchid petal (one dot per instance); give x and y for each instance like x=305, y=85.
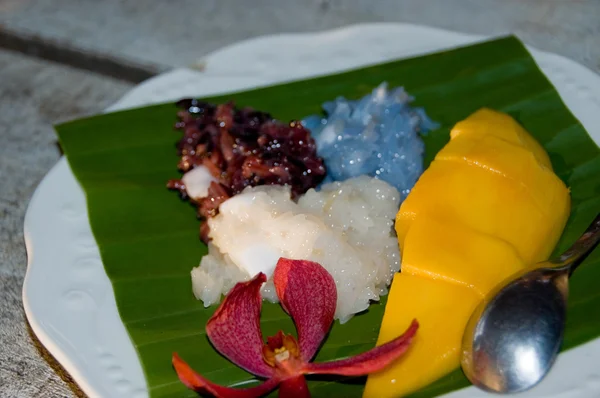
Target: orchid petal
x=234, y=328
x=294, y=387
x=194, y=381
x=307, y=292
x=368, y=362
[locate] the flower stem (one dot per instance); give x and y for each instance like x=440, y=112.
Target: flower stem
x=295, y=387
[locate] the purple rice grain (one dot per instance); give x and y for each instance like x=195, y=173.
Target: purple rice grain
x=241, y=148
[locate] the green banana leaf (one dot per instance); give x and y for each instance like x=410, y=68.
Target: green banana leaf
x=148, y=238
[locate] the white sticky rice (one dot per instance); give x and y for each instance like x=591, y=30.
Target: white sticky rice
x=347, y=227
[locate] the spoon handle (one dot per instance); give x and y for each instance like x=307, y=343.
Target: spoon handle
x=581, y=248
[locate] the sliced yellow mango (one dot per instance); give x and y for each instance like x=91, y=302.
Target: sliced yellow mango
x=491, y=179
x=486, y=121
x=512, y=161
x=486, y=202
x=439, y=249
x=442, y=310
x=487, y=206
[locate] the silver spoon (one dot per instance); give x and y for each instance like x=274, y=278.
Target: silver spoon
x=513, y=337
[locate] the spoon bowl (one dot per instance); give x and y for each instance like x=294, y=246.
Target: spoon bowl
x=509, y=350
x=514, y=336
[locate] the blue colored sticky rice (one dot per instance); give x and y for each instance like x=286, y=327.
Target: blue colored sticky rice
x=377, y=135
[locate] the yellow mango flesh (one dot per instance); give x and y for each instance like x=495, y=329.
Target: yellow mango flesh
x=489, y=122
x=488, y=206
x=438, y=255
x=494, y=177
x=484, y=201
x=435, y=348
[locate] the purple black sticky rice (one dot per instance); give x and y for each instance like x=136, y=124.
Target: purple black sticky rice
x=240, y=148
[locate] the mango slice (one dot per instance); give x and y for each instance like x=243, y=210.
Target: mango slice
x=488, y=206
x=435, y=350
x=511, y=161
x=482, y=200
x=436, y=248
x=496, y=181
x=486, y=121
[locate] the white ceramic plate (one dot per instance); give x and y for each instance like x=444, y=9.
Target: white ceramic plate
x=67, y=296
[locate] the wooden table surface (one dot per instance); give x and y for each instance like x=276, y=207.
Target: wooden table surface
x=61, y=59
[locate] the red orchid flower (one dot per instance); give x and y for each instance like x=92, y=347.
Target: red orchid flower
x=307, y=293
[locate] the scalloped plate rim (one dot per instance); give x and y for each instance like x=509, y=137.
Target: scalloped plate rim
x=138, y=96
